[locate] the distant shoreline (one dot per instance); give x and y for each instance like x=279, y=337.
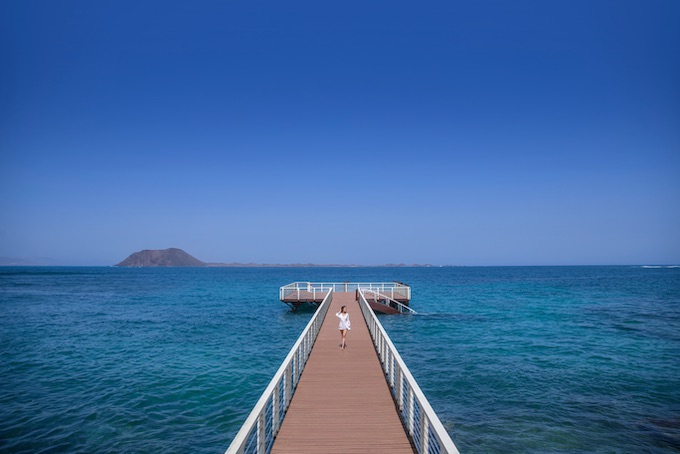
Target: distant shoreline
x=313, y=265
x=301, y=265
x=26, y=264
x=175, y=257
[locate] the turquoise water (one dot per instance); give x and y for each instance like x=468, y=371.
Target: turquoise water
x=545, y=359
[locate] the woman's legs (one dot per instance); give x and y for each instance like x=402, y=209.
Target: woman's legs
x=343, y=334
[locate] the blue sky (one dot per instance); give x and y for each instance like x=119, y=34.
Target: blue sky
x=461, y=133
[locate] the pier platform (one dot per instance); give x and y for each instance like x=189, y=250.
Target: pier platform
x=383, y=297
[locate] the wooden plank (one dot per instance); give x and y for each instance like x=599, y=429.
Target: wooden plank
x=343, y=403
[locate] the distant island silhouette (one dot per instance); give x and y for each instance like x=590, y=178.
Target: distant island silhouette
x=166, y=257
x=174, y=257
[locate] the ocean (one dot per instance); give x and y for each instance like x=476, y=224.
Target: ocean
x=512, y=359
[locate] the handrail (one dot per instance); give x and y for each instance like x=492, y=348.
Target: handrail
x=421, y=422
x=260, y=428
x=393, y=303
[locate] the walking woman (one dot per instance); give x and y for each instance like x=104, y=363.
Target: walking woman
x=345, y=324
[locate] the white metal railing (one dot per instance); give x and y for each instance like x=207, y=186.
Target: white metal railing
x=377, y=297
x=421, y=422
x=297, y=290
x=395, y=290
x=260, y=428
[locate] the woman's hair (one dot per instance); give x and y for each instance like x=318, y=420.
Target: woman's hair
x=342, y=309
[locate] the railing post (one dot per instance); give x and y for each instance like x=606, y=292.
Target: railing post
x=397, y=390
x=411, y=416
x=424, y=436
x=288, y=389
x=276, y=405
x=393, y=369
x=293, y=369
x=298, y=372
x=304, y=348
x=390, y=358
x=383, y=347
x=383, y=360
x=261, y=426
x=298, y=367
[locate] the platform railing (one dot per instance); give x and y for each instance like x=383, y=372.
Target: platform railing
x=298, y=290
x=257, y=434
x=421, y=422
x=377, y=297
x=395, y=290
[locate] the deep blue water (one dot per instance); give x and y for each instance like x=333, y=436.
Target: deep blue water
x=513, y=359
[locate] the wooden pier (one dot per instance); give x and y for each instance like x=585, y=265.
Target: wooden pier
x=342, y=403
x=323, y=399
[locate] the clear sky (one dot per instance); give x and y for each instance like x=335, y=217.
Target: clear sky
x=462, y=133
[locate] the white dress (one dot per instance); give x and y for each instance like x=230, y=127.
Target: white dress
x=344, y=320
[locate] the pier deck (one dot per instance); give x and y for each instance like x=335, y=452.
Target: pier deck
x=342, y=403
